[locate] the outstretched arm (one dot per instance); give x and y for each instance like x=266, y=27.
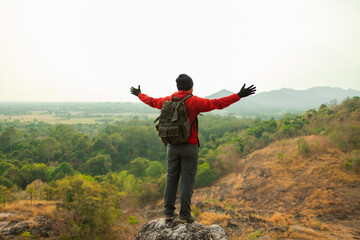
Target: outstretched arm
x=206, y=105
x=152, y=102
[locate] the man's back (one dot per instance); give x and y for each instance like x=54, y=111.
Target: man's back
x=194, y=106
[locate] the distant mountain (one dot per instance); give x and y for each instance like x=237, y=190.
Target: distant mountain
x=287, y=100
x=263, y=105
x=219, y=94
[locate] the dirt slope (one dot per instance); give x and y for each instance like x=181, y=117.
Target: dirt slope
x=279, y=193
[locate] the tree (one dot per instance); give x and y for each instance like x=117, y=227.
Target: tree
x=99, y=165
x=26, y=175
x=126, y=183
x=8, y=138
x=64, y=169
x=48, y=148
x=30, y=189
x=31, y=172
x=12, y=196
x=256, y=131
x=81, y=145
x=4, y=165
x=101, y=142
x=34, y=189
x=92, y=206
x=5, y=182
x=117, y=150
x=154, y=170
x=138, y=166
x=38, y=171
x=49, y=191
x=136, y=140
x=63, y=133
x=205, y=175
x=4, y=194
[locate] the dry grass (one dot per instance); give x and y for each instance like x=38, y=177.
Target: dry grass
x=343, y=177
x=18, y=217
x=37, y=208
x=300, y=235
x=209, y=218
x=315, y=224
x=280, y=219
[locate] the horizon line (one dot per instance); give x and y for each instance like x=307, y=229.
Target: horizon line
x=135, y=100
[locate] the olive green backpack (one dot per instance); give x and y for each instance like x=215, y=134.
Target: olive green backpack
x=174, y=125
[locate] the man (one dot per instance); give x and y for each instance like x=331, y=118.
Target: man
x=182, y=159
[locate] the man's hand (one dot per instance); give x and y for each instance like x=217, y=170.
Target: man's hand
x=244, y=92
x=135, y=91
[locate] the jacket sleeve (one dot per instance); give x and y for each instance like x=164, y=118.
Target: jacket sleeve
x=207, y=105
x=153, y=102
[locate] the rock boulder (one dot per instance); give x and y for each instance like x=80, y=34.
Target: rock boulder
x=159, y=229
x=38, y=226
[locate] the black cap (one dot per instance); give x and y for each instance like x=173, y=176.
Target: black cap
x=184, y=82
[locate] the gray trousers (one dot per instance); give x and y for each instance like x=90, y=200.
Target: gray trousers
x=182, y=160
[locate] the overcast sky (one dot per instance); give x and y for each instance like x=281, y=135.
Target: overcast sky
x=96, y=50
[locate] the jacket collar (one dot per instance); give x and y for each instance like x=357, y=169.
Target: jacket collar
x=180, y=94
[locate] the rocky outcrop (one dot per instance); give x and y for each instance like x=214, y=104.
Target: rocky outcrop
x=37, y=226
x=159, y=229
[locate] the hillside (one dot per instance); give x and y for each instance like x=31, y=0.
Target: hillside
x=281, y=193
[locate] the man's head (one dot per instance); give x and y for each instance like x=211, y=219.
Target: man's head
x=184, y=82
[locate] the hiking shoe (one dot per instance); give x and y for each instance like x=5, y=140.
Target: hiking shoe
x=187, y=219
x=171, y=216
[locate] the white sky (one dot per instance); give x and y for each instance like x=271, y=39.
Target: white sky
x=71, y=50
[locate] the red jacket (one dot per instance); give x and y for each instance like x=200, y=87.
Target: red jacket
x=194, y=106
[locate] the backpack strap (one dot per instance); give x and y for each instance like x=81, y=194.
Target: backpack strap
x=186, y=98
x=195, y=120
x=177, y=103
x=179, y=99
x=182, y=99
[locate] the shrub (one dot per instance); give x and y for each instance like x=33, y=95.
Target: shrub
x=195, y=211
x=154, y=170
x=254, y=235
x=303, y=147
x=346, y=137
x=138, y=166
x=151, y=191
x=132, y=220
x=205, y=175
x=26, y=235
x=353, y=162
x=93, y=207
x=280, y=155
